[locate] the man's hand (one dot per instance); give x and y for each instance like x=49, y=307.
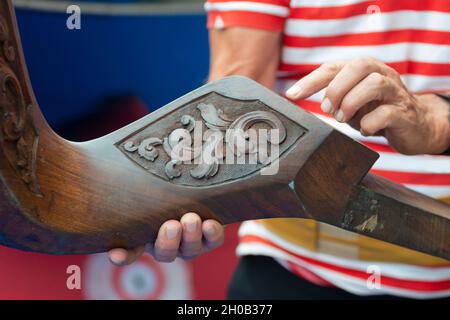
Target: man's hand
x=186, y=238
x=371, y=97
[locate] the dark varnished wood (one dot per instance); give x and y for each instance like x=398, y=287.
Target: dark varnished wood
x=63, y=197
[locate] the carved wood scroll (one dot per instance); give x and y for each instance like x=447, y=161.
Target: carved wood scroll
x=212, y=140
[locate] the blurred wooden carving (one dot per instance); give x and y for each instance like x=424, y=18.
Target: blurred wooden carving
x=19, y=138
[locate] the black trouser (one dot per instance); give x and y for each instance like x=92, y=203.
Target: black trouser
x=259, y=277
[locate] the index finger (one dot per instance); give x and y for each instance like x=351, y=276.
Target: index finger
x=315, y=81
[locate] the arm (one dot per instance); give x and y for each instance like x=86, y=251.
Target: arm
x=247, y=52
x=234, y=51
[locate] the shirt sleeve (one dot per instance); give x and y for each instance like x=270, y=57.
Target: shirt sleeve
x=258, y=14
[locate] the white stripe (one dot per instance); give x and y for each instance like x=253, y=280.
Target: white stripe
x=396, y=270
x=248, y=6
x=419, y=163
x=323, y=3
x=417, y=83
x=431, y=191
x=388, y=53
x=365, y=23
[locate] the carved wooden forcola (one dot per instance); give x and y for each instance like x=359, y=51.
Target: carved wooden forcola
x=62, y=197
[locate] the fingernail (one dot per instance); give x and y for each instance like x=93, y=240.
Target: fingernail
x=210, y=231
x=326, y=106
x=293, y=91
x=339, y=116
x=191, y=226
x=117, y=259
x=171, y=232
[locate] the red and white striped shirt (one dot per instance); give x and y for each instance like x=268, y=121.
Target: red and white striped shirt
x=411, y=36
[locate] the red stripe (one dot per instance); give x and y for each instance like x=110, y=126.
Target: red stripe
x=311, y=106
x=283, y=3
x=432, y=179
x=378, y=147
x=346, y=11
x=308, y=275
x=246, y=19
x=422, y=68
x=402, y=67
x=413, y=285
x=370, y=38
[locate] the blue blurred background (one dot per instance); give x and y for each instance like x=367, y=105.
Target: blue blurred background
x=154, y=55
